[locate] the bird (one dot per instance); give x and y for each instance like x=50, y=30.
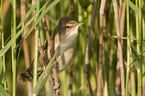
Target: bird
x=63, y=42
x=65, y=35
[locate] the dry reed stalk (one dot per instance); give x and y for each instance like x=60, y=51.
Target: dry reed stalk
x=120, y=56
x=99, y=87
x=88, y=47
x=25, y=48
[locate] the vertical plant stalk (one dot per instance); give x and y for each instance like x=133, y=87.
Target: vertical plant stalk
x=139, y=47
x=108, y=35
x=70, y=77
x=46, y=27
x=143, y=66
x=144, y=90
x=55, y=88
x=133, y=81
x=122, y=19
x=139, y=81
x=107, y=63
x=57, y=84
x=88, y=47
x=46, y=23
x=72, y=11
x=36, y=51
x=141, y=32
x=117, y=80
x=25, y=44
x=133, y=84
x=99, y=87
x=2, y=37
x=25, y=47
x=128, y=47
x=109, y=72
x=120, y=4
x=32, y=37
x=6, y=5
x=13, y=32
x=119, y=48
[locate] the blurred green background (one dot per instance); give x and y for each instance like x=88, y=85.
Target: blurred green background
x=131, y=20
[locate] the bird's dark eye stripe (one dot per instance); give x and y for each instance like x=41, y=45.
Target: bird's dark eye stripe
x=67, y=26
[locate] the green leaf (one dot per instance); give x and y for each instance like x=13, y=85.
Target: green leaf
x=141, y=52
x=11, y=1
x=135, y=56
x=3, y=92
x=136, y=59
x=133, y=7
x=8, y=45
x=41, y=16
x=43, y=77
x=1, y=70
x=143, y=11
x=27, y=15
x=3, y=75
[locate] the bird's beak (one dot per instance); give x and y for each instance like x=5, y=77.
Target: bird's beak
x=80, y=23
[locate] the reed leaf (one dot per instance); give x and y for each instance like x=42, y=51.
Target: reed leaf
x=8, y=45
x=135, y=56
x=43, y=77
x=133, y=7
x=3, y=92
x=11, y=1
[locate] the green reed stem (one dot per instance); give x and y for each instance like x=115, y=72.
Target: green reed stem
x=36, y=50
x=128, y=46
x=2, y=37
x=139, y=46
x=143, y=65
x=13, y=32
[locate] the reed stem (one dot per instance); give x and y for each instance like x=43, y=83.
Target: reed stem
x=128, y=47
x=13, y=32
x=36, y=50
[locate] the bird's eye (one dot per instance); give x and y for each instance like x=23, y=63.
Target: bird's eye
x=67, y=26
